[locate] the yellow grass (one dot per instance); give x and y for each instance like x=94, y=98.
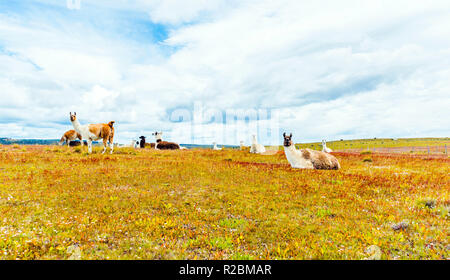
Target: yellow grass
x=59, y=203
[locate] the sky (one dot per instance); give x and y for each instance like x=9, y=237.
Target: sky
x=206, y=71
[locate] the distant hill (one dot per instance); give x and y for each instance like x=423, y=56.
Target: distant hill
x=10, y=141
x=377, y=143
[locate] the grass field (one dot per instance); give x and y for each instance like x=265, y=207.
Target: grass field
x=378, y=143
x=59, y=203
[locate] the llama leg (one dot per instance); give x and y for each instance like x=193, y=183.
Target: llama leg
x=89, y=142
x=105, y=141
x=111, y=144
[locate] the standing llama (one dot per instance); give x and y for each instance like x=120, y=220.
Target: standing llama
x=142, y=142
x=306, y=158
x=70, y=135
x=257, y=148
x=325, y=148
x=93, y=132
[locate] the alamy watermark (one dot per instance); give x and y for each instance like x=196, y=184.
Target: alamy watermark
x=201, y=125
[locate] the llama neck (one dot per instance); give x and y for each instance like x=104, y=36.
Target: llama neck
x=292, y=153
x=296, y=158
x=290, y=149
x=76, y=125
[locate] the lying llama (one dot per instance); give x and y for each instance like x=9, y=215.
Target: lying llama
x=215, y=147
x=306, y=158
x=241, y=145
x=257, y=148
x=92, y=132
x=164, y=145
x=325, y=148
x=70, y=135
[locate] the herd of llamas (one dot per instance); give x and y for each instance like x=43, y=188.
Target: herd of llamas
x=303, y=158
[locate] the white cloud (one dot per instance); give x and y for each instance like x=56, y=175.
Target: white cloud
x=334, y=69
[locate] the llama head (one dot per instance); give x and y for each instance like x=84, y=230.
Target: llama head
x=323, y=142
x=73, y=117
x=287, y=140
x=142, y=137
x=158, y=135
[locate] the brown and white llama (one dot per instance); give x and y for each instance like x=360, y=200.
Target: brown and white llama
x=164, y=145
x=93, y=132
x=306, y=158
x=70, y=135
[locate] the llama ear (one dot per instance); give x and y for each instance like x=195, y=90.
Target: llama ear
x=284, y=134
x=290, y=136
x=74, y=113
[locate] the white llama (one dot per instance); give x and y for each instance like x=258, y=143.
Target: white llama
x=306, y=158
x=257, y=148
x=325, y=148
x=134, y=143
x=215, y=147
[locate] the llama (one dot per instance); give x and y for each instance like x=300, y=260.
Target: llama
x=92, y=132
x=164, y=145
x=325, y=149
x=142, y=142
x=306, y=158
x=70, y=135
x=215, y=147
x=133, y=144
x=257, y=148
